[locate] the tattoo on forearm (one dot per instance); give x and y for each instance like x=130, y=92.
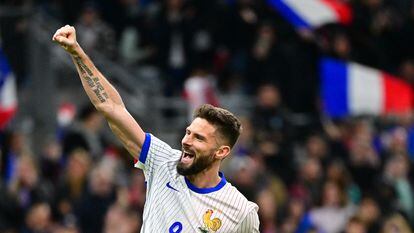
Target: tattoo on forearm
x=100, y=91
x=84, y=68
x=92, y=82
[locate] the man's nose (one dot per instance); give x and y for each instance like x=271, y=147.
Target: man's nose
x=186, y=140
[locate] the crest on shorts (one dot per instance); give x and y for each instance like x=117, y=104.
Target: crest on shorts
x=210, y=225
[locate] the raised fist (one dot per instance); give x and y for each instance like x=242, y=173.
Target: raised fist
x=66, y=37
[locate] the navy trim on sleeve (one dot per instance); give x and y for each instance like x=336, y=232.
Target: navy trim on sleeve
x=145, y=148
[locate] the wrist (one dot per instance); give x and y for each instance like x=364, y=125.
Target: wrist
x=75, y=50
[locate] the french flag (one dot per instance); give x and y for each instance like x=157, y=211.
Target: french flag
x=313, y=13
x=353, y=89
x=8, y=99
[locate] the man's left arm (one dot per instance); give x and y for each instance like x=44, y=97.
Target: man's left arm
x=250, y=223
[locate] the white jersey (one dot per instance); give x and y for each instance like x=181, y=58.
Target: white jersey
x=174, y=205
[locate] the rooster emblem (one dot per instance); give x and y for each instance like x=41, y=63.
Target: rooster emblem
x=210, y=224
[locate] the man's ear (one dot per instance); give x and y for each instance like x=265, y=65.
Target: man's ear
x=223, y=152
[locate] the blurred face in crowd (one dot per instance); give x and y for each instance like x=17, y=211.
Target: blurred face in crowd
x=264, y=42
x=89, y=16
x=368, y=210
x=396, y=223
x=200, y=146
x=335, y=171
x=316, y=147
x=246, y=171
x=296, y=209
x=362, y=151
x=398, y=140
x=267, y=205
x=331, y=194
x=38, y=217
x=311, y=170
x=248, y=131
x=355, y=226
x=121, y=220
x=174, y=4
x=373, y=3
x=17, y=142
x=397, y=167
x=407, y=70
x=268, y=96
x=342, y=46
x=78, y=164
x=27, y=171
x=95, y=122
x=101, y=181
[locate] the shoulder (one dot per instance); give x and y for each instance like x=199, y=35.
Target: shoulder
x=154, y=145
x=155, y=152
x=247, y=211
x=238, y=200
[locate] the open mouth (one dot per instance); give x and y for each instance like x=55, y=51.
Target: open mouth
x=187, y=157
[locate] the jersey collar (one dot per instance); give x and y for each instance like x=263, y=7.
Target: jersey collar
x=207, y=190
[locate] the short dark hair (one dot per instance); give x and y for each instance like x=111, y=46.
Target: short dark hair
x=225, y=122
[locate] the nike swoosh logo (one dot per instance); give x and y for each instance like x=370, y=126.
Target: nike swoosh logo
x=170, y=187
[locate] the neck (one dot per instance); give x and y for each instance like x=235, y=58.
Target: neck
x=207, y=178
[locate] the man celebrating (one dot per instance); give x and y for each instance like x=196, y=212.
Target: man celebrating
x=185, y=190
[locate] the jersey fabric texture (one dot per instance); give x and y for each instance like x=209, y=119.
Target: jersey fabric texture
x=175, y=205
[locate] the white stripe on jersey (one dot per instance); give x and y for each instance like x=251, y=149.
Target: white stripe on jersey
x=174, y=205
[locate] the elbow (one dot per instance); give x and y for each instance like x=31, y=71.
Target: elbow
x=106, y=108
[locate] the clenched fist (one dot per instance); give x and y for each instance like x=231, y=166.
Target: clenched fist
x=66, y=38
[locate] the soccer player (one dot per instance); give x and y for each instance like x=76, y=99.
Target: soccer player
x=185, y=190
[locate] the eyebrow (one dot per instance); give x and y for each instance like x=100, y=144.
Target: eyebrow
x=197, y=134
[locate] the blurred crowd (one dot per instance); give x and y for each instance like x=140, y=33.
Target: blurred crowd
x=307, y=173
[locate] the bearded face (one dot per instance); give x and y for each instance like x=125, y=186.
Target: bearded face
x=192, y=163
x=199, y=146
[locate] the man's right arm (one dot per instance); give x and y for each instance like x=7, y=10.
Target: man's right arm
x=102, y=94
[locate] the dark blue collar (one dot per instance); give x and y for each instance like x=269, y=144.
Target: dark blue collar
x=207, y=190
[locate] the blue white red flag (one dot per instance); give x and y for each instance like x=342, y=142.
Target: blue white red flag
x=349, y=88
x=313, y=13
x=8, y=97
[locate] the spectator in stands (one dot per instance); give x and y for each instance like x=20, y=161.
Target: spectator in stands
x=269, y=210
x=174, y=31
x=51, y=161
x=98, y=197
x=308, y=185
x=270, y=120
x=72, y=185
x=121, y=219
x=94, y=34
x=200, y=88
x=27, y=185
x=85, y=134
x=396, y=223
x=337, y=172
x=11, y=214
x=364, y=161
x=335, y=211
x=369, y=213
x=13, y=146
x=38, y=219
x=396, y=174
x=355, y=225
x=295, y=211
x=267, y=62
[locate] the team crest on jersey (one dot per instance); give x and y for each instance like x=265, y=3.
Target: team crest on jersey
x=210, y=225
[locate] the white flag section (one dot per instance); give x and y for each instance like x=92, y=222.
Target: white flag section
x=8, y=95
